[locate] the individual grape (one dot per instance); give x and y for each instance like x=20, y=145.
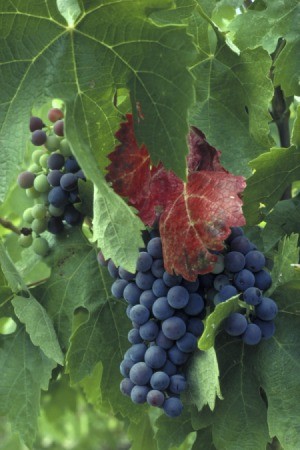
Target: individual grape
x=195, y=305
x=35, y=157
x=35, y=123
x=139, y=394
x=144, y=262
x=154, y=247
x=123, y=273
x=65, y=148
x=164, y=342
x=39, y=211
x=234, y=261
x=173, y=328
x=191, y=286
x=144, y=280
x=220, y=281
x=149, y=330
x=161, y=309
x=101, y=260
x=147, y=298
x=126, y=386
x=55, y=114
x=252, y=334
x=155, y=357
x=125, y=367
x=195, y=326
x=55, y=225
x=26, y=179
x=255, y=261
x=137, y=352
x=159, y=288
x=40, y=246
x=177, y=384
x=38, y=137
x=241, y=244
x=160, y=380
x=155, y=398
x=173, y=407
x=56, y=212
x=157, y=268
x=68, y=182
x=267, y=327
x=263, y=280
x=58, y=197
x=132, y=293
x=140, y=373
x=52, y=143
x=235, y=232
x=39, y=225
x=252, y=296
x=187, y=343
x=41, y=183
x=139, y=314
x=27, y=215
x=58, y=127
x=118, y=287
x=267, y=309
x=169, y=368
x=244, y=279
x=71, y=165
x=112, y=269
x=219, y=265
x=54, y=177
x=235, y=324
x=227, y=292
x=176, y=356
x=134, y=336
x=43, y=162
x=34, y=168
x=71, y=215
x=56, y=161
x=128, y=309
x=178, y=297
x=171, y=280
x=25, y=241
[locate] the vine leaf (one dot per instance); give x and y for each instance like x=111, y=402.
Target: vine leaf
x=196, y=216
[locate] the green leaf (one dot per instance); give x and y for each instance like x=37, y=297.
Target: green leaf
x=38, y=326
x=14, y=280
x=204, y=440
x=242, y=411
x=69, y=9
x=295, y=138
x=274, y=172
x=203, y=379
x=141, y=435
x=25, y=370
x=172, y=431
x=214, y=320
x=287, y=69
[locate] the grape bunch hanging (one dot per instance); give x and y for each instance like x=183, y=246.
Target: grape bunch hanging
x=51, y=181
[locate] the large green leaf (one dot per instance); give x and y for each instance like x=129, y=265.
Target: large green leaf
x=141, y=435
x=204, y=440
x=171, y=432
x=25, y=370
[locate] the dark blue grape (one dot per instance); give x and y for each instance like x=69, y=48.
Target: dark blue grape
x=132, y=293
x=144, y=280
x=56, y=161
x=267, y=327
x=58, y=197
x=112, y=269
x=164, y=342
x=155, y=398
x=252, y=296
x=191, y=286
x=159, y=288
x=155, y=357
x=137, y=352
x=176, y=356
x=157, y=268
x=35, y=123
x=139, y=394
x=180, y=313
x=154, y=247
x=171, y=280
x=169, y=368
x=160, y=380
x=26, y=179
x=126, y=386
x=80, y=175
x=128, y=309
x=68, y=182
x=177, y=384
x=38, y=137
x=235, y=324
x=54, y=177
x=187, y=343
x=55, y=225
x=139, y=314
x=252, y=334
x=144, y=262
x=147, y=298
x=118, y=287
x=267, y=309
x=234, y=261
x=178, y=297
x=125, y=367
x=195, y=305
x=149, y=330
x=241, y=244
x=263, y=280
x=220, y=281
x=101, y=260
x=173, y=328
x=58, y=127
x=71, y=165
x=255, y=261
x=227, y=292
x=134, y=336
x=173, y=407
x=125, y=275
x=161, y=309
x=244, y=279
x=195, y=326
x=71, y=215
x=235, y=232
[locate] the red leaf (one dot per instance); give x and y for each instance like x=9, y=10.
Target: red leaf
x=195, y=217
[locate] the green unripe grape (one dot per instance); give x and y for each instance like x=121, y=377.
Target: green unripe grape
x=41, y=183
x=39, y=225
x=35, y=157
x=44, y=160
x=39, y=211
x=25, y=241
x=32, y=193
x=65, y=147
x=55, y=212
x=27, y=215
x=40, y=246
x=35, y=168
x=52, y=143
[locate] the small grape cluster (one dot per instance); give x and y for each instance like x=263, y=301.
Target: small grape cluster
x=166, y=313
x=241, y=270
x=52, y=181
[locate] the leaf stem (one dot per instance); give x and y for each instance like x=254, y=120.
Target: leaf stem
x=9, y=225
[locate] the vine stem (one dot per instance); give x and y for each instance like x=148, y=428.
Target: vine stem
x=9, y=225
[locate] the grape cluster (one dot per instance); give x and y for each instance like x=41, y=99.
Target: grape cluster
x=52, y=181
x=166, y=313
x=241, y=270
